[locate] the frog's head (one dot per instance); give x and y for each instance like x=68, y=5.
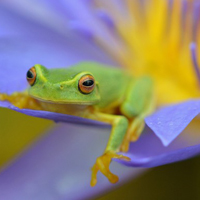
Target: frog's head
x=64, y=86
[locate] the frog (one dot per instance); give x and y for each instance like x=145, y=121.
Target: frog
x=93, y=91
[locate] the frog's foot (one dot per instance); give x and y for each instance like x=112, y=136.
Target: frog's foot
x=134, y=131
x=21, y=100
x=102, y=164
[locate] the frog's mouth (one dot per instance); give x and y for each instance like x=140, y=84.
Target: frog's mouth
x=74, y=102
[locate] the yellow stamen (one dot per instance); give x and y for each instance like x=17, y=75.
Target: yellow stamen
x=155, y=40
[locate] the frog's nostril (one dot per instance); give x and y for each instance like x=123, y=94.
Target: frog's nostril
x=61, y=87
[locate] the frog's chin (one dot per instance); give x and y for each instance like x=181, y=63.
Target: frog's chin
x=75, y=102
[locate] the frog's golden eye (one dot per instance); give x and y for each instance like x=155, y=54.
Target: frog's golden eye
x=31, y=76
x=86, y=84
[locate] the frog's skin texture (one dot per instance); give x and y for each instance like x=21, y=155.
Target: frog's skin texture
x=116, y=98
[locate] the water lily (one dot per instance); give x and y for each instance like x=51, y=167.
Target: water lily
x=156, y=38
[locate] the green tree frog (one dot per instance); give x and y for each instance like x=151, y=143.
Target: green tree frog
x=96, y=92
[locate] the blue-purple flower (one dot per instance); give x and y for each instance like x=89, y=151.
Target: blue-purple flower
x=145, y=40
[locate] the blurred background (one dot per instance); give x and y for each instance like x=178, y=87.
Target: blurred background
x=175, y=181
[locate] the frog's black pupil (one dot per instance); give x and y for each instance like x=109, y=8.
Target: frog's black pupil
x=88, y=83
x=30, y=74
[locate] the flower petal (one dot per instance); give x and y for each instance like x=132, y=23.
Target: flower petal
x=148, y=151
x=57, y=117
x=58, y=167
x=168, y=122
x=77, y=16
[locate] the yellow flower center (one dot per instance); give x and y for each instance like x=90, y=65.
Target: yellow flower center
x=154, y=39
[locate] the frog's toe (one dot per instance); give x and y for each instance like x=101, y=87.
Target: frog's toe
x=113, y=178
x=95, y=170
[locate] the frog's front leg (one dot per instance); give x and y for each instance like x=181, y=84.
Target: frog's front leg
x=119, y=128
x=21, y=100
x=139, y=103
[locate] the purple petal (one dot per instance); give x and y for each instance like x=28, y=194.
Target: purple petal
x=148, y=151
x=34, y=10
x=57, y=117
x=168, y=122
x=104, y=16
x=80, y=11
x=81, y=29
x=58, y=167
x=14, y=24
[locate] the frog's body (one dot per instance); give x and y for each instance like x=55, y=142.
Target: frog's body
x=93, y=91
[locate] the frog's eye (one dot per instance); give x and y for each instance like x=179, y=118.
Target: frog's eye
x=86, y=84
x=31, y=76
